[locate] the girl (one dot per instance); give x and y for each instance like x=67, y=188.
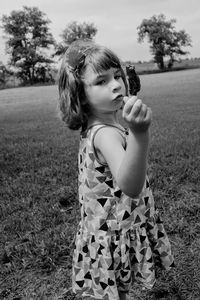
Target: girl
x=121, y=237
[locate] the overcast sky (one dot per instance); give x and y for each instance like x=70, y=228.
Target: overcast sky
x=116, y=21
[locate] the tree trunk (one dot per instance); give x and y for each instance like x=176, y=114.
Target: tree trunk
x=29, y=75
x=159, y=59
x=171, y=61
x=32, y=75
x=160, y=62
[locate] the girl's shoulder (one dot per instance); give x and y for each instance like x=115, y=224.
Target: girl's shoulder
x=89, y=136
x=92, y=130
x=96, y=127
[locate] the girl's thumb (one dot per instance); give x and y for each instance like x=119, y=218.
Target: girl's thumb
x=133, y=98
x=125, y=99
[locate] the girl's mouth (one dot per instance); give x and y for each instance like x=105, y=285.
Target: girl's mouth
x=119, y=97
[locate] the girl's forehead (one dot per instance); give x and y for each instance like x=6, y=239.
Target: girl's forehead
x=91, y=73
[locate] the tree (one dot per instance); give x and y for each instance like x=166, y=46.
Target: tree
x=27, y=36
x=73, y=32
x=164, y=40
x=5, y=73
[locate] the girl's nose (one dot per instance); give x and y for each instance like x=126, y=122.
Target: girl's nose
x=116, y=85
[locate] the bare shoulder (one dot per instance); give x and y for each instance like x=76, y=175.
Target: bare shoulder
x=108, y=137
x=110, y=147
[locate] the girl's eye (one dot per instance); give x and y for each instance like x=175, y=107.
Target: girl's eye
x=117, y=77
x=101, y=82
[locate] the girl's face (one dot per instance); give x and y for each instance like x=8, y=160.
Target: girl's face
x=105, y=91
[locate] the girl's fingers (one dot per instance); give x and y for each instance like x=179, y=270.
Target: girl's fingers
x=125, y=99
x=136, y=113
x=141, y=110
x=129, y=105
x=143, y=120
x=148, y=116
x=129, y=102
x=129, y=99
x=137, y=109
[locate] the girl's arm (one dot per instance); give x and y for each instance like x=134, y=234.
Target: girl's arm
x=128, y=166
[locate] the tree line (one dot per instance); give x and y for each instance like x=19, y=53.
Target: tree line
x=28, y=38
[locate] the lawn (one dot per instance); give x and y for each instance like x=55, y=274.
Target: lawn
x=38, y=188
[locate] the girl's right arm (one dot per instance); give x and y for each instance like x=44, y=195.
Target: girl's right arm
x=128, y=166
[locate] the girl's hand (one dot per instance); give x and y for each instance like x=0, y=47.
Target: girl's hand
x=136, y=114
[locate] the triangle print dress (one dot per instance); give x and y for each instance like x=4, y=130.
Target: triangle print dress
x=119, y=239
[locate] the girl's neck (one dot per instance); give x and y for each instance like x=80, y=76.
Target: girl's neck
x=109, y=119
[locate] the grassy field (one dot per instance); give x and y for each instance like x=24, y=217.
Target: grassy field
x=38, y=188
x=151, y=67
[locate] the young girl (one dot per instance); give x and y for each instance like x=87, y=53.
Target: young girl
x=121, y=237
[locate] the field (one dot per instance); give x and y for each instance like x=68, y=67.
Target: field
x=38, y=188
x=151, y=67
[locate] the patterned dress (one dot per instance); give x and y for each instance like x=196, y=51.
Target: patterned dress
x=119, y=239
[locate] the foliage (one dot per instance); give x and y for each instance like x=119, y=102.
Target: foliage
x=164, y=40
x=39, y=209
x=27, y=36
x=4, y=73
x=73, y=32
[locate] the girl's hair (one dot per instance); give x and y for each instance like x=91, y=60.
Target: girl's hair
x=72, y=100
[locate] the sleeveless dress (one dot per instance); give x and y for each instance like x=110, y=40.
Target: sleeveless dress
x=119, y=239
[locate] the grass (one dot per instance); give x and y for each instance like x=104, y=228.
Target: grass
x=38, y=188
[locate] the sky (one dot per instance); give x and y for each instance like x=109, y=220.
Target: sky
x=116, y=21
